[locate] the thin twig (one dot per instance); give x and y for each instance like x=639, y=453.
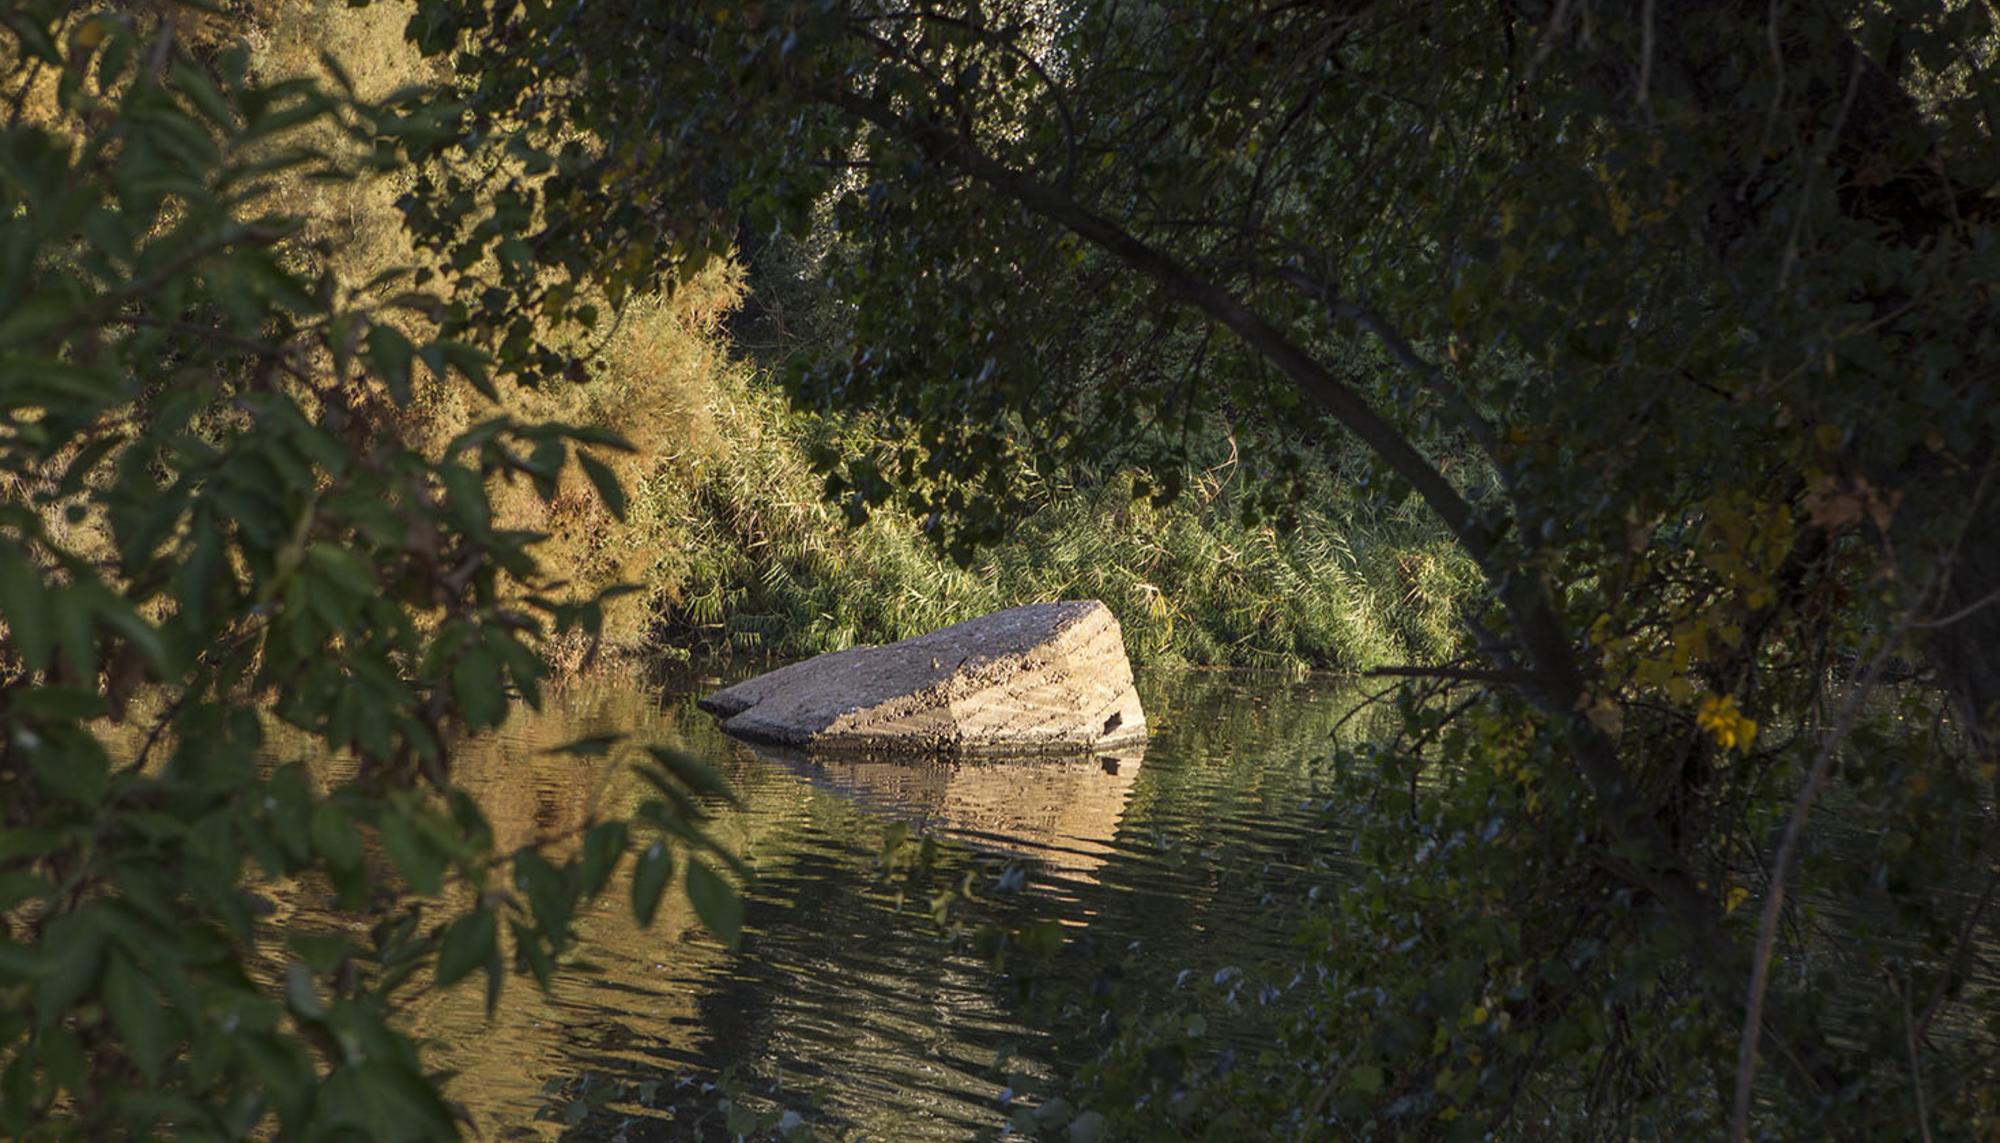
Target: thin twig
x=1956, y=967
x=999, y=39
x=138, y=763
x=1777, y=102
x=1962, y=613
x=1405, y=354
x=1557, y=20
x=1774, y=901
x=19, y=100
x=1916, y=1069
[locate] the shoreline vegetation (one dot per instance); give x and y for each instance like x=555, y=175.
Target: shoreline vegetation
x=732, y=544
x=738, y=554
x=1613, y=382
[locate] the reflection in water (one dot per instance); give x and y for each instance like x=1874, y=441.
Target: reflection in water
x=1062, y=811
x=873, y=1023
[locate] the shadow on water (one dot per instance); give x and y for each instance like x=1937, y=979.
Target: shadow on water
x=843, y=1004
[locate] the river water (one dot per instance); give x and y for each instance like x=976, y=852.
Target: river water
x=1176, y=875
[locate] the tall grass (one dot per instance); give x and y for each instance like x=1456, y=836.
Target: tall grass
x=764, y=565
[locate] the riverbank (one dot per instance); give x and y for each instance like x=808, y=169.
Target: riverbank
x=752, y=559
x=733, y=548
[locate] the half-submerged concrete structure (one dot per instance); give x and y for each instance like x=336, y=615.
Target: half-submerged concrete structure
x=1047, y=678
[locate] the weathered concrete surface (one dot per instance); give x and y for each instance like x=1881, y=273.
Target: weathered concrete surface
x=1045, y=678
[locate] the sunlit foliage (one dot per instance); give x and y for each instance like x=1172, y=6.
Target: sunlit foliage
x=212, y=524
x=1706, y=290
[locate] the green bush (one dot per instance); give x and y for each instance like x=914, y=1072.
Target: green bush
x=215, y=518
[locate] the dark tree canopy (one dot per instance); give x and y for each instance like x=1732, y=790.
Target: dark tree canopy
x=1679, y=315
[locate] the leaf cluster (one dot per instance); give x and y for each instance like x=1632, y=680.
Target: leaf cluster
x=212, y=521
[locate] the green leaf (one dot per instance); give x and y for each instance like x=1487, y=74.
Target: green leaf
x=17, y=1094
x=607, y=484
x=548, y=897
x=468, y=944
x=288, y=805
x=334, y=836
x=385, y=1099
x=75, y=631
x=72, y=763
x=135, y=1008
x=121, y=617
x=715, y=901
x=19, y=885
x=72, y=949
x=59, y=704
x=85, y=462
x=603, y=845
x=392, y=355
x=474, y=830
x=61, y=384
x=692, y=773
x=196, y=580
x=649, y=879
x=342, y=567
x=322, y=952
x=475, y=683
x=36, y=39
x=529, y=949
x=595, y=435
x=470, y=361
x=466, y=497
x=202, y=92
x=420, y=863
x=544, y=466
x=589, y=746
x=25, y=607
x=523, y=665
x=64, y=1058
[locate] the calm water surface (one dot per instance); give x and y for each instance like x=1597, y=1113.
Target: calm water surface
x=1178, y=874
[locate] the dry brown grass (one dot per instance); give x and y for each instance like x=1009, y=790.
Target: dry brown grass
x=658, y=378
x=656, y=370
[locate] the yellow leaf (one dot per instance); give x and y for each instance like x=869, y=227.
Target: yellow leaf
x=1600, y=630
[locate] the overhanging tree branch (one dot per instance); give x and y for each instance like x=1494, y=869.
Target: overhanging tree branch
x=1313, y=379
x=1400, y=349
x=1554, y=680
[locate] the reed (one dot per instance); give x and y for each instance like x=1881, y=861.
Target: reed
x=761, y=564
